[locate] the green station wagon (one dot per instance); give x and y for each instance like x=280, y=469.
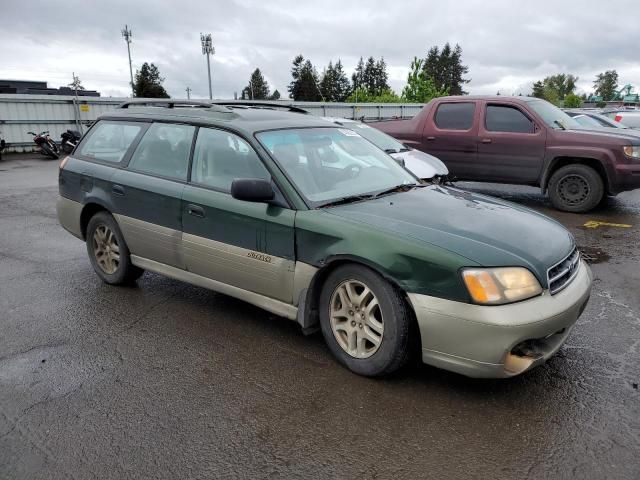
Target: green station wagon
x=312, y=222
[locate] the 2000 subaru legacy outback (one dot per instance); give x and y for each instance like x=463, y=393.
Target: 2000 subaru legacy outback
x=312, y=222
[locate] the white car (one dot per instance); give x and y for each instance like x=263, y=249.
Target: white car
x=424, y=166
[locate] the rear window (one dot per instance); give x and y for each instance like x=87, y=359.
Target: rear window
x=503, y=118
x=109, y=141
x=455, y=116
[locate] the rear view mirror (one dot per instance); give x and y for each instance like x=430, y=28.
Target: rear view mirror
x=252, y=190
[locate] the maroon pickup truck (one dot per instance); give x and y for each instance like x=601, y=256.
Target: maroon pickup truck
x=523, y=140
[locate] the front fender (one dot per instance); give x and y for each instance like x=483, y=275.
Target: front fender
x=555, y=155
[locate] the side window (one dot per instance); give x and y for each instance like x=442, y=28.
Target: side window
x=109, y=141
x=220, y=157
x=164, y=151
x=455, y=116
x=501, y=118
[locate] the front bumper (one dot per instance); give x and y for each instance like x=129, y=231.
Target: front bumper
x=499, y=341
x=628, y=177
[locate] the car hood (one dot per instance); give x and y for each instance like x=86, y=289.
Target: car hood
x=485, y=230
x=422, y=165
x=608, y=132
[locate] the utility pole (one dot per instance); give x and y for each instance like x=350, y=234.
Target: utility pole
x=188, y=90
x=75, y=84
x=208, y=50
x=127, y=34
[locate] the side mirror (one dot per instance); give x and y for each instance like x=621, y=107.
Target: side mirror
x=252, y=190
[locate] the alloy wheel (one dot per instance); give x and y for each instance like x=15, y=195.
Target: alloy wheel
x=106, y=249
x=356, y=319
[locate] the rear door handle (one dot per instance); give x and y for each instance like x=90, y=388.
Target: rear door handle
x=195, y=210
x=118, y=190
x=486, y=140
x=431, y=138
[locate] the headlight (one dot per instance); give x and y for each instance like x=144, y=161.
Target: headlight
x=632, y=151
x=495, y=286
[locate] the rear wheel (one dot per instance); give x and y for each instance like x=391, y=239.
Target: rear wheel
x=108, y=251
x=365, y=321
x=576, y=188
x=46, y=150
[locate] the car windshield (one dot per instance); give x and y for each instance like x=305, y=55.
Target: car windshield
x=552, y=115
x=378, y=138
x=330, y=164
x=587, y=121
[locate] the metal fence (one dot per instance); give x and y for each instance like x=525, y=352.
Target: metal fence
x=20, y=114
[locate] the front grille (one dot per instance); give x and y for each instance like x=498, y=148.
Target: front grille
x=561, y=274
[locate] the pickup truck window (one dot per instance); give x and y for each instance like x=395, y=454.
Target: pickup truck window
x=503, y=118
x=455, y=116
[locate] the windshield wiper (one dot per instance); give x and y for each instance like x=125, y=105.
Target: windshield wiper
x=403, y=187
x=391, y=150
x=345, y=200
x=559, y=123
x=404, y=149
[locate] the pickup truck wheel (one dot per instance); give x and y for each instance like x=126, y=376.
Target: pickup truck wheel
x=576, y=188
x=365, y=321
x=108, y=252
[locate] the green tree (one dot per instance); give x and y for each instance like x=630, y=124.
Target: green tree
x=445, y=68
x=275, y=95
x=420, y=88
x=362, y=95
x=258, y=88
x=357, y=79
x=148, y=82
x=381, y=78
x=572, y=101
x=304, y=86
x=343, y=87
x=538, y=89
x=606, y=85
x=369, y=76
x=329, y=84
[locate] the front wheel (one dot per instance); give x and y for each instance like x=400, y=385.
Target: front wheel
x=365, y=321
x=576, y=188
x=108, y=252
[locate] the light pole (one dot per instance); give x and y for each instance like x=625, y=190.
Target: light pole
x=188, y=90
x=127, y=34
x=208, y=50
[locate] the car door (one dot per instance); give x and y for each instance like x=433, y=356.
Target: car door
x=511, y=147
x=450, y=135
x=244, y=244
x=148, y=193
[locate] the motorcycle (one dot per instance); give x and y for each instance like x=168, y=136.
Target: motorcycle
x=47, y=146
x=70, y=139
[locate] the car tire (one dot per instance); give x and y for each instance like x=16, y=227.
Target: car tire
x=108, y=251
x=344, y=317
x=576, y=188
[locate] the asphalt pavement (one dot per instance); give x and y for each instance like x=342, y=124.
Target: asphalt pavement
x=167, y=380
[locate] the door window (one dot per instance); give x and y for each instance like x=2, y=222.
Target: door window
x=502, y=118
x=164, y=151
x=220, y=157
x=109, y=141
x=455, y=116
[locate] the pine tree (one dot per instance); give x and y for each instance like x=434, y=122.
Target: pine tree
x=304, y=86
x=381, y=83
x=357, y=79
x=369, y=76
x=275, y=95
x=538, y=89
x=446, y=69
x=258, y=88
x=343, y=88
x=457, y=72
x=420, y=88
x=328, y=86
x=148, y=82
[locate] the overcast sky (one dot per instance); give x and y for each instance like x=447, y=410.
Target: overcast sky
x=506, y=44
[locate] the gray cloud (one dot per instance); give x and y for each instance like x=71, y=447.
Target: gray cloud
x=506, y=44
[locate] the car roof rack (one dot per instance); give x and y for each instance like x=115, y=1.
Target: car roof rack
x=254, y=104
x=169, y=103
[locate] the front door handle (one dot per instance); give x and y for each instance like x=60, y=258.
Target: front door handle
x=431, y=138
x=195, y=210
x=486, y=140
x=118, y=190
